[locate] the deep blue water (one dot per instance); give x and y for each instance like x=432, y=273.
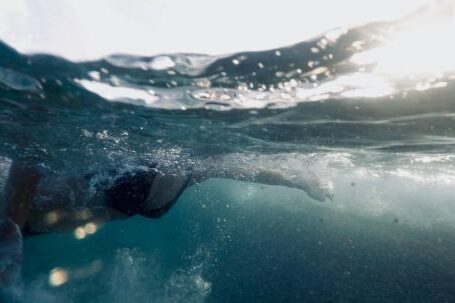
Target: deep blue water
x=386, y=151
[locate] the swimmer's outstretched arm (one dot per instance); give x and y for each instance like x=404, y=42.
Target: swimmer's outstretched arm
x=250, y=172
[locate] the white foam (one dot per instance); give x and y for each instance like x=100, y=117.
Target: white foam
x=414, y=190
x=137, y=278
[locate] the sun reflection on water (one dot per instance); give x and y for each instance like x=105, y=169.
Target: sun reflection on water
x=424, y=47
x=385, y=59
x=83, y=231
x=58, y=276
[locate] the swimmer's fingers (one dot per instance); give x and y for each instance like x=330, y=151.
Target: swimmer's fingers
x=310, y=183
x=10, y=252
x=329, y=196
x=316, y=188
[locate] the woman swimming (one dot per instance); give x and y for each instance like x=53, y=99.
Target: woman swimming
x=36, y=202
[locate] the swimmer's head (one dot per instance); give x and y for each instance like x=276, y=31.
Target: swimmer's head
x=146, y=192
x=165, y=191
x=129, y=192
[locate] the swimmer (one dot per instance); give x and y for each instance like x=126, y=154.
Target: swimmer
x=34, y=207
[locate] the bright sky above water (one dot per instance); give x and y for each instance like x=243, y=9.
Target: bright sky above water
x=79, y=29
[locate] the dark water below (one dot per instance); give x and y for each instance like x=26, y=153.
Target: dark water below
x=383, y=143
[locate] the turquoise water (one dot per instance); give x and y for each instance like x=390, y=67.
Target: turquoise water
x=380, y=143
x=226, y=242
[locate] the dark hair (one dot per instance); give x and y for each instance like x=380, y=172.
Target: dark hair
x=130, y=191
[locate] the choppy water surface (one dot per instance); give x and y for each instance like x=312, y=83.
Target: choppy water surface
x=367, y=111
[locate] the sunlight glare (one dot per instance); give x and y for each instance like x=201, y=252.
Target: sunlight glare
x=58, y=276
x=423, y=50
x=79, y=233
x=92, y=29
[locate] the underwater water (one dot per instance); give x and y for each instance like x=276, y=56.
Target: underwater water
x=368, y=112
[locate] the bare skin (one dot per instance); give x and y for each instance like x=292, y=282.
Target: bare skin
x=10, y=252
x=62, y=214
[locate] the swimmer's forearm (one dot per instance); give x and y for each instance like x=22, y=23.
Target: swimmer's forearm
x=240, y=173
x=249, y=172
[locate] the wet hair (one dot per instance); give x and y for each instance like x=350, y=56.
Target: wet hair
x=130, y=191
x=158, y=211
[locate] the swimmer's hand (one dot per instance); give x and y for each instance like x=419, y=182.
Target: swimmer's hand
x=311, y=184
x=10, y=252
x=249, y=171
x=316, y=188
